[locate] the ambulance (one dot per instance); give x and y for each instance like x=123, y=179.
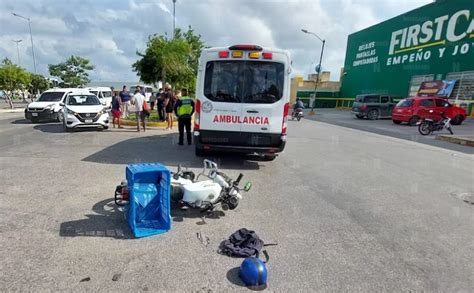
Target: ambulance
x=242, y=100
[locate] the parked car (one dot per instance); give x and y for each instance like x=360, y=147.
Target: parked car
x=411, y=110
x=103, y=93
x=84, y=110
x=47, y=107
x=373, y=106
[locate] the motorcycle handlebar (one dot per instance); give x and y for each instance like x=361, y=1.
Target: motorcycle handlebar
x=236, y=182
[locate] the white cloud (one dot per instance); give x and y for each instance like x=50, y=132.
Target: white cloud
x=109, y=32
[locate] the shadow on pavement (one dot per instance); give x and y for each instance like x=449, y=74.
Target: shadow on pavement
x=165, y=150
x=233, y=277
x=21, y=121
x=58, y=128
x=108, y=221
x=178, y=215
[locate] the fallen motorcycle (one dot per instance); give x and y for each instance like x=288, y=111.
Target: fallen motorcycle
x=187, y=190
x=216, y=188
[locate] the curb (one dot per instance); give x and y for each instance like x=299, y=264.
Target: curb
x=150, y=124
x=462, y=140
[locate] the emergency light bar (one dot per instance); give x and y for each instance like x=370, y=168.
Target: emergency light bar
x=223, y=54
x=254, y=55
x=246, y=47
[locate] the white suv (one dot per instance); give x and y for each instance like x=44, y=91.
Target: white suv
x=47, y=106
x=84, y=109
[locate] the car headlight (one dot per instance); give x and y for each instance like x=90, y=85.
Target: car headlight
x=49, y=107
x=70, y=112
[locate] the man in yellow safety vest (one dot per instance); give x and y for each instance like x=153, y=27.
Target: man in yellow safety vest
x=184, y=109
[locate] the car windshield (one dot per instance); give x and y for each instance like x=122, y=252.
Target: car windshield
x=405, y=103
x=83, y=100
x=244, y=81
x=106, y=94
x=51, y=97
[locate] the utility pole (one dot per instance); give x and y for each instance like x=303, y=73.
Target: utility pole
x=31, y=37
x=174, y=17
x=319, y=66
x=18, y=50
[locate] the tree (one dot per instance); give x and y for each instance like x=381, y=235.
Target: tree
x=174, y=61
x=73, y=72
x=38, y=83
x=12, y=78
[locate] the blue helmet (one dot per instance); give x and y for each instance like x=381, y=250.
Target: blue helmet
x=253, y=273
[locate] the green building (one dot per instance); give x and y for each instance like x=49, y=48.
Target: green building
x=433, y=42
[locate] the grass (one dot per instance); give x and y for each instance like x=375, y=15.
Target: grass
x=153, y=117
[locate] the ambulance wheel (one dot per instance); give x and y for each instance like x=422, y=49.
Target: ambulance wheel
x=269, y=157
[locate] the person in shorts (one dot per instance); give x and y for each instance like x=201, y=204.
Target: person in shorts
x=116, y=110
x=169, y=106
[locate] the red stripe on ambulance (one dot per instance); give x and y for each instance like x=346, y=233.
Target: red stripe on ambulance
x=233, y=119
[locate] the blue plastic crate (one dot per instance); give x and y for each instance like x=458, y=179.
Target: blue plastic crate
x=149, y=209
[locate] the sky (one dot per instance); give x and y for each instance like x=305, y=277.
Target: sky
x=110, y=32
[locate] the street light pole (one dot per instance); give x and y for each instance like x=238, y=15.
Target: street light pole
x=31, y=38
x=320, y=65
x=18, y=50
x=174, y=17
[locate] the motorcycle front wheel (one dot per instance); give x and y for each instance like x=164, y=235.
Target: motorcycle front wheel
x=450, y=130
x=424, y=128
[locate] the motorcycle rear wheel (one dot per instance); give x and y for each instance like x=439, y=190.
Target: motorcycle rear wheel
x=425, y=128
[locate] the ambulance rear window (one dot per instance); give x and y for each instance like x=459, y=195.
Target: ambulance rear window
x=251, y=82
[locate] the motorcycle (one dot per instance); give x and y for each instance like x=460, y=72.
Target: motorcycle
x=187, y=190
x=297, y=114
x=216, y=189
x=428, y=126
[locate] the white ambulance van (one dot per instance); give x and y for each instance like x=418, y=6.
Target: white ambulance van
x=242, y=104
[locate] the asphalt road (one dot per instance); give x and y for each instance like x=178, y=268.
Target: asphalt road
x=350, y=211
x=386, y=127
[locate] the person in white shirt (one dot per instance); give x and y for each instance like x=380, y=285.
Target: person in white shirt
x=137, y=101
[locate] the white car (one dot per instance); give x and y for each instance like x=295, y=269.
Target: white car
x=103, y=93
x=47, y=106
x=84, y=110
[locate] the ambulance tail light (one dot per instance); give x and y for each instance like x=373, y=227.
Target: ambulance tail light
x=197, y=113
x=286, y=109
x=223, y=54
x=267, y=55
x=246, y=47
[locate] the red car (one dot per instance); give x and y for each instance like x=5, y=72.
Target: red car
x=411, y=110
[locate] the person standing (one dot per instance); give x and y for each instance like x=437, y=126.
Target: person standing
x=160, y=104
x=116, y=113
x=169, y=106
x=153, y=101
x=137, y=100
x=125, y=97
x=184, y=109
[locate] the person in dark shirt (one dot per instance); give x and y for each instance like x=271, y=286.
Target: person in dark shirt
x=125, y=97
x=169, y=106
x=160, y=104
x=116, y=110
